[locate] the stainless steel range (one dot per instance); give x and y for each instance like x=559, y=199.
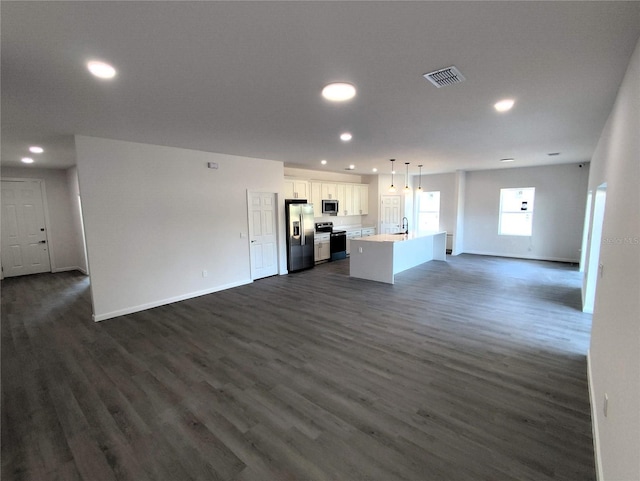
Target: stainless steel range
x=337, y=240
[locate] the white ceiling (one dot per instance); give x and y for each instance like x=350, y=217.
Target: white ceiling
x=245, y=78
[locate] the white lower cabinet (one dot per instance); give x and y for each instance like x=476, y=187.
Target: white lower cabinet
x=352, y=234
x=322, y=247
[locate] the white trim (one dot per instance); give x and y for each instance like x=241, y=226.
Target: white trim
x=163, y=302
x=282, y=234
x=594, y=420
x=68, y=269
x=47, y=224
x=531, y=258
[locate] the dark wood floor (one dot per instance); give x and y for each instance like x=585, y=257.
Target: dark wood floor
x=473, y=369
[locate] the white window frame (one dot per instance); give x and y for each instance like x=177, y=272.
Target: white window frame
x=516, y=211
x=421, y=205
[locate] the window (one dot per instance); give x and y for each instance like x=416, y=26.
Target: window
x=429, y=211
x=516, y=211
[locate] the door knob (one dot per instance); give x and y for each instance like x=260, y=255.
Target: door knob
x=42, y=242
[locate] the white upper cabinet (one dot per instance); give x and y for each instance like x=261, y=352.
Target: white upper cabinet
x=353, y=199
x=296, y=188
x=302, y=189
x=346, y=202
x=358, y=200
x=363, y=190
x=316, y=198
x=329, y=191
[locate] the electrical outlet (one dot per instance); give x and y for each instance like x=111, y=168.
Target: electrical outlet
x=360, y=250
x=205, y=273
x=605, y=405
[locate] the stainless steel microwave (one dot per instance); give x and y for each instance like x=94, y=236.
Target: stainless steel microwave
x=329, y=207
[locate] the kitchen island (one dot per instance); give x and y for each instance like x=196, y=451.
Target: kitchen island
x=381, y=257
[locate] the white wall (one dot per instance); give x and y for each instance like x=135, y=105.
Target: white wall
x=156, y=217
x=614, y=356
x=461, y=189
x=558, y=218
x=62, y=235
x=446, y=185
x=374, y=200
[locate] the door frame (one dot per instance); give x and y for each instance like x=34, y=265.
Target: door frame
x=279, y=223
x=586, y=233
x=47, y=219
x=593, y=268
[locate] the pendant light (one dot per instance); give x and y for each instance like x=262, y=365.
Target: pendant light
x=392, y=188
x=420, y=178
x=407, y=189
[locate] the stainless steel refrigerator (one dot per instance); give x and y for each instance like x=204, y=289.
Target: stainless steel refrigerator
x=300, y=226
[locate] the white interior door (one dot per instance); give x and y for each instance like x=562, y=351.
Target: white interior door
x=391, y=214
x=24, y=236
x=262, y=234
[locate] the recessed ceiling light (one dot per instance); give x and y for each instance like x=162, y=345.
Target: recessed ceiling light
x=504, y=105
x=351, y=167
x=346, y=137
x=507, y=160
x=27, y=160
x=34, y=149
x=374, y=169
x=339, y=92
x=101, y=69
x=323, y=162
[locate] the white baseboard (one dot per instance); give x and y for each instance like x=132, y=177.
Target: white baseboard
x=68, y=269
x=63, y=269
x=162, y=302
x=594, y=420
x=513, y=256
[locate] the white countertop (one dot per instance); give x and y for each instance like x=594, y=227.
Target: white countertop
x=398, y=237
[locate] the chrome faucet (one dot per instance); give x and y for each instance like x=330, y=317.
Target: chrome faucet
x=405, y=225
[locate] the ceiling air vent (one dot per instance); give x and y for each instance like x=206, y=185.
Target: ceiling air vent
x=445, y=76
